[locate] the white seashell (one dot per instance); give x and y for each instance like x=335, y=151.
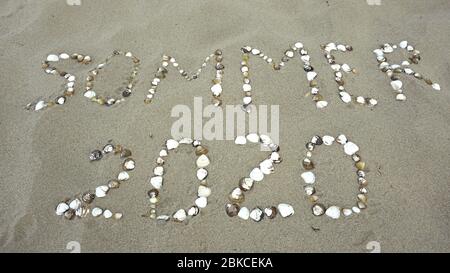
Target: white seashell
x=409, y=71
x=308, y=177
x=186, y=141
x=396, y=85
x=118, y=215
x=75, y=204
x=285, y=210
x=156, y=182
x=163, y=217
x=360, y=100
x=256, y=214
x=311, y=75
x=405, y=63
x=347, y=212
x=163, y=153
x=201, y=202
x=247, y=100
x=328, y=140
x=336, y=67
x=265, y=139
x=346, y=68
x=388, y=48
x=64, y=56
x=203, y=191
x=331, y=46
x=342, y=139
x=216, y=89
x=193, y=211
x=333, y=212
x=244, y=213
x=61, y=208
x=257, y=175
x=252, y=137
x=345, y=97
x=305, y=58
x=309, y=190
x=129, y=164
x=52, y=58
x=202, y=161
x=373, y=102
x=378, y=52
x=410, y=48
x=240, y=140
x=172, y=144
x=180, y=215
x=39, y=105
x=289, y=53
x=298, y=45
x=275, y=157
x=123, y=176
x=96, y=212
x=403, y=44
x=350, y=148
x=246, y=87
x=196, y=143
x=202, y=174
x=266, y=166
x=89, y=94
x=321, y=104
x=356, y=210
x=341, y=48
x=436, y=86
x=107, y=214
x=400, y=97
x=255, y=51
x=101, y=191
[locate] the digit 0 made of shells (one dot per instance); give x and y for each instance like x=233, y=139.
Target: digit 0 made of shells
x=339, y=69
x=393, y=71
x=92, y=94
x=216, y=88
x=311, y=75
x=350, y=149
x=82, y=204
x=157, y=180
x=246, y=184
x=69, y=86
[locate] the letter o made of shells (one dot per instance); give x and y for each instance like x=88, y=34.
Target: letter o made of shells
x=82, y=205
x=167, y=61
x=308, y=176
x=157, y=178
x=339, y=69
x=92, y=94
x=257, y=174
x=289, y=54
x=393, y=71
x=69, y=87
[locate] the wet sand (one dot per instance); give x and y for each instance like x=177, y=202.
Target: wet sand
x=45, y=155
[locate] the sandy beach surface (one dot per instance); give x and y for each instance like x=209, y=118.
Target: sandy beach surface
x=45, y=155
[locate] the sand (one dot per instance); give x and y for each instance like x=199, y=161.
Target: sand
x=45, y=155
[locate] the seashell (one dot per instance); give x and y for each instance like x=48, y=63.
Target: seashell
x=373, y=102
x=328, y=140
x=128, y=164
x=321, y=104
x=160, y=161
x=95, y=155
x=255, y=51
x=64, y=56
x=96, y=212
x=309, y=190
x=356, y=157
x=275, y=157
x=289, y=53
x=244, y=213
x=193, y=211
x=309, y=146
x=246, y=87
x=108, y=148
x=203, y=191
x=82, y=211
x=316, y=140
x=345, y=97
x=202, y=174
x=336, y=67
x=163, y=218
x=61, y=208
x=346, y=68
x=362, y=198
x=361, y=205
x=89, y=94
x=240, y=140
x=333, y=212
x=39, y=105
x=318, y=209
x=387, y=48
x=254, y=138
x=256, y=214
x=360, y=100
x=202, y=161
x=156, y=182
x=101, y=191
x=266, y=166
x=236, y=196
x=75, y=204
x=285, y=210
x=52, y=58
x=356, y=210
x=270, y=212
x=347, y=212
x=403, y=44
x=186, y=141
x=308, y=177
x=158, y=170
x=360, y=165
x=400, y=97
x=60, y=100
x=201, y=150
x=172, y=144
x=350, y=148
x=179, y=216
x=265, y=139
x=125, y=153
x=123, y=176
x=195, y=143
x=342, y=139
x=113, y=184
x=88, y=197
x=307, y=164
x=396, y=85
x=305, y=58
x=360, y=173
x=330, y=47
x=298, y=45
x=436, y=86
x=410, y=48
x=118, y=215
x=153, y=193
x=311, y=75
x=409, y=71
x=232, y=209
x=163, y=153
x=246, y=183
x=257, y=175
x=201, y=202
x=216, y=89
x=362, y=181
x=69, y=214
